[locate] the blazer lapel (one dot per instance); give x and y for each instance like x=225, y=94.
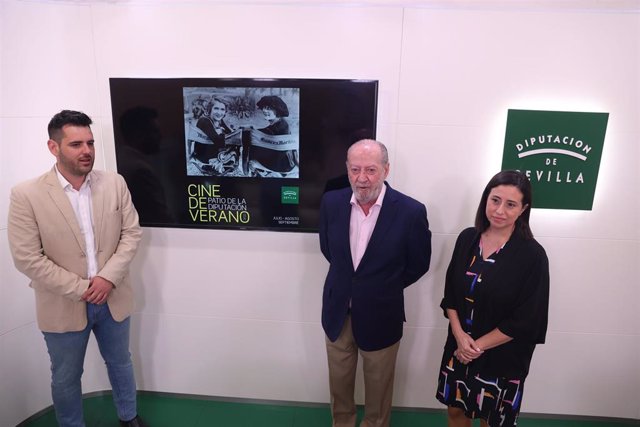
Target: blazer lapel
x=60, y=199
x=97, y=203
x=344, y=222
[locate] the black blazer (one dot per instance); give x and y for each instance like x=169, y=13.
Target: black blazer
x=397, y=255
x=514, y=299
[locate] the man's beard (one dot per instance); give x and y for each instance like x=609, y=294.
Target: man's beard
x=368, y=195
x=77, y=168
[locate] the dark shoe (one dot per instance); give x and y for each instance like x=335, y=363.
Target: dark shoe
x=136, y=422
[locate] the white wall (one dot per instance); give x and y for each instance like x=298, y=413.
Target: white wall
x=218, y=314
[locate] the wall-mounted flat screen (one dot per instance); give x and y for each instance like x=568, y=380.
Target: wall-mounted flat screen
x=237, y=153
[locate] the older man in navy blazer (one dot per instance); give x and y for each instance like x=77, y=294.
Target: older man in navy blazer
x=377, y=242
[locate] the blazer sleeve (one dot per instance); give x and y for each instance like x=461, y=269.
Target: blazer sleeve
x=529, y=317
x=117, y=266
x=419, y=247
x=28, y=253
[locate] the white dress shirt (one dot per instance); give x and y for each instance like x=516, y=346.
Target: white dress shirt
x=81, y=203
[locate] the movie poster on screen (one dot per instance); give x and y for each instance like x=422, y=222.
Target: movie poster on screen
x=236, y=153
x=239, y=132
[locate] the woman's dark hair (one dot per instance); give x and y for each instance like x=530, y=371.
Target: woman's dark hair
x=274, y=103
x=521, y=182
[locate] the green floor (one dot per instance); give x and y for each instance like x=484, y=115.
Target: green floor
x=178, y=411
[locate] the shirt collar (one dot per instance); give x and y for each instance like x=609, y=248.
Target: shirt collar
x=66, y=184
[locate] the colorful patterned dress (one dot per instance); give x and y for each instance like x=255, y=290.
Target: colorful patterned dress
x=494, y=399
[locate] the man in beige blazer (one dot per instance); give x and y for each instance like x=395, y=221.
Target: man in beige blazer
x=74, y=231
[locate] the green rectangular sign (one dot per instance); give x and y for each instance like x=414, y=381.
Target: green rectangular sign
x=290, y=195
x=559, y=151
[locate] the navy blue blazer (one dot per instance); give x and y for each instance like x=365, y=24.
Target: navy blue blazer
x=397, y=255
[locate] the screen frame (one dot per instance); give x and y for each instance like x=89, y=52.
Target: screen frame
x=333, y=114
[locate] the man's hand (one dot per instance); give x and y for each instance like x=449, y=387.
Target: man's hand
x=98, y=291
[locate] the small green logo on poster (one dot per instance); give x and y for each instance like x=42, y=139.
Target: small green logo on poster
x=290, y=195
x=559, y=151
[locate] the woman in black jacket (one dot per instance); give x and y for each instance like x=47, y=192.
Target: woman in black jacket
x=496, y=299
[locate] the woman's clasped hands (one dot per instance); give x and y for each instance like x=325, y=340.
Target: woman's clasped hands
x=467, y=350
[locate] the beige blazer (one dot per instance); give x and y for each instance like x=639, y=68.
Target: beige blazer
x=48, y=247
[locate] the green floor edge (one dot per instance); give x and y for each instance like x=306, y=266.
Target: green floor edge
x=180, y=410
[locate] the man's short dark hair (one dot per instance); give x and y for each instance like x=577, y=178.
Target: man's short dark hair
x=66, y=117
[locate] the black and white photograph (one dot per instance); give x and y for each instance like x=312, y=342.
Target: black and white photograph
x=242, y=131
